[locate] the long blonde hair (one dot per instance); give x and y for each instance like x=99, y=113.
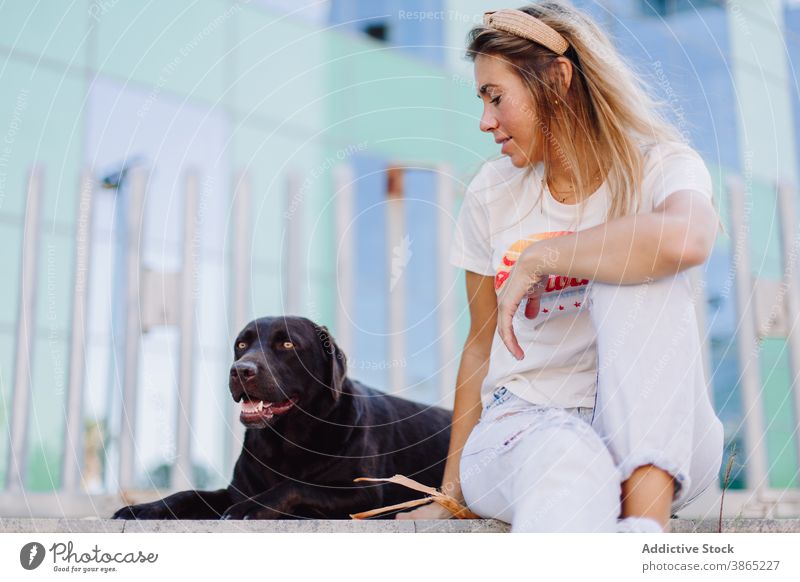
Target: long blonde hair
x=606, y=100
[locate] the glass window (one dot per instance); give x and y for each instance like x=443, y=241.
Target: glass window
x=668, y=7
x=370, y=308
x=395, y=308
x=419, y=260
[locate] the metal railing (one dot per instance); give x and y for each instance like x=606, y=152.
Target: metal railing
x=765, y=309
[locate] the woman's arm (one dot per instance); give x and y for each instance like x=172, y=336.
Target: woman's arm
x=678, y=234
x=471, y=373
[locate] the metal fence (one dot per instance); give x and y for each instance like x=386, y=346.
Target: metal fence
x=147, y=299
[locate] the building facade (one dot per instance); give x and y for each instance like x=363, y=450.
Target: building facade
x=311, y=156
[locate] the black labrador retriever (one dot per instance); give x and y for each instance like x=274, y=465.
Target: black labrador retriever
x=310, y=431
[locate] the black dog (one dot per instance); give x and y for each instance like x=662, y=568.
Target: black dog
x=310, y=432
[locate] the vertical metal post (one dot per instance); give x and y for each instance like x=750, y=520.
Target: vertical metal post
x=17, y=461
x=132, y=237
x=790, y=243
x=344, y=249
x=396, y=259
x=241, y=241
x=293, y=256
x=699, y=296
x=756, y=460
x=241, y=260
x=73, y=441
x=182, y=472
x=446, y=275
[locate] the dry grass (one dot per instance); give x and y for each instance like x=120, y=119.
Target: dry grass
x=725, y=483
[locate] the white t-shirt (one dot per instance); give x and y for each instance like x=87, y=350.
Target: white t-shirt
x=501, y=216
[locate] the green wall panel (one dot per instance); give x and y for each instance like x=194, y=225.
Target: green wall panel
x=55, y=285
x=322, y=301
x=266, y=292
x=280, y=72
x=778, y=409
x=269, y=158
x=394, y=103
x=319, y=215
x=405, y=109
x=183, y=53
x=49, y=377
x=40, y=113
x=763, y=88
x=10, y=264
x=764, y=235
x=53, y=29
x=8, y=342
x=44, y=468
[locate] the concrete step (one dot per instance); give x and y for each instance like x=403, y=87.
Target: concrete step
x=92, y=525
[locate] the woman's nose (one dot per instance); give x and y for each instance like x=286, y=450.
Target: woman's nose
x=488, y=122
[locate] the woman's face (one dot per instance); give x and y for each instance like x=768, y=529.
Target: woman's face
x=508, y=110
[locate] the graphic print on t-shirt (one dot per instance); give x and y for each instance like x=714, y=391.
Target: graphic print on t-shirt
x=561, y=294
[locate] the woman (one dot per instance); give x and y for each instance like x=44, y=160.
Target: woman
x=580, y=402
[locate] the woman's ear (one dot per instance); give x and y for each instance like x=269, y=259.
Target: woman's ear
x=564, y=72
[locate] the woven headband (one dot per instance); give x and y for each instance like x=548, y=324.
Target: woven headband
x=522, y=24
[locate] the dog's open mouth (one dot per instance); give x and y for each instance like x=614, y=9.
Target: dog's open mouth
x=259, y=413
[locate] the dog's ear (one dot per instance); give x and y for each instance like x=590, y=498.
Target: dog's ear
x=337, y=360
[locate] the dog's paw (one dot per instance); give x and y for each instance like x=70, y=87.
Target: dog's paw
x=124, y=513
x=250, y=510
x=155, y=510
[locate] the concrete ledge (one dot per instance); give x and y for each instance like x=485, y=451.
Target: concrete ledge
x=27, y=525
x=737, y=525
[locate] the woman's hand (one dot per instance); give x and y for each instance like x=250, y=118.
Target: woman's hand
x=526, y=280
x=431, y=511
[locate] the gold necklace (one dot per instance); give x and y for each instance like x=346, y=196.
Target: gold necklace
x=558, y=197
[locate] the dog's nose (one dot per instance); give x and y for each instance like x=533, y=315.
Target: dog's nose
x=243, y=371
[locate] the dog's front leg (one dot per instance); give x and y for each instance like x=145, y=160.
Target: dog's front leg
x=183, y=505
x=298, y=500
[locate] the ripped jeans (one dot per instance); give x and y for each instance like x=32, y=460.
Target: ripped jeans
x=546, y=469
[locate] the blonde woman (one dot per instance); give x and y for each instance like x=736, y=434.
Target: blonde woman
x=581, y=403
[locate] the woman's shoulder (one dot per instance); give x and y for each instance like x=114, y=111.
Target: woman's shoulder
x=495, y=179
x=670, y=166
x=656, y=153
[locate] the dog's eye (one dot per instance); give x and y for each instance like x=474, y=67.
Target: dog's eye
x=287, y=345
x=241, y=345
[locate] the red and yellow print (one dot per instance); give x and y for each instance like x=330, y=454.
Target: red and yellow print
x=554, y=282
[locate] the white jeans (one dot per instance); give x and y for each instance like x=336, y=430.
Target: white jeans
x=549, y=470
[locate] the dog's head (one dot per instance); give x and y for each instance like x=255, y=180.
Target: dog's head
x=282, y=363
